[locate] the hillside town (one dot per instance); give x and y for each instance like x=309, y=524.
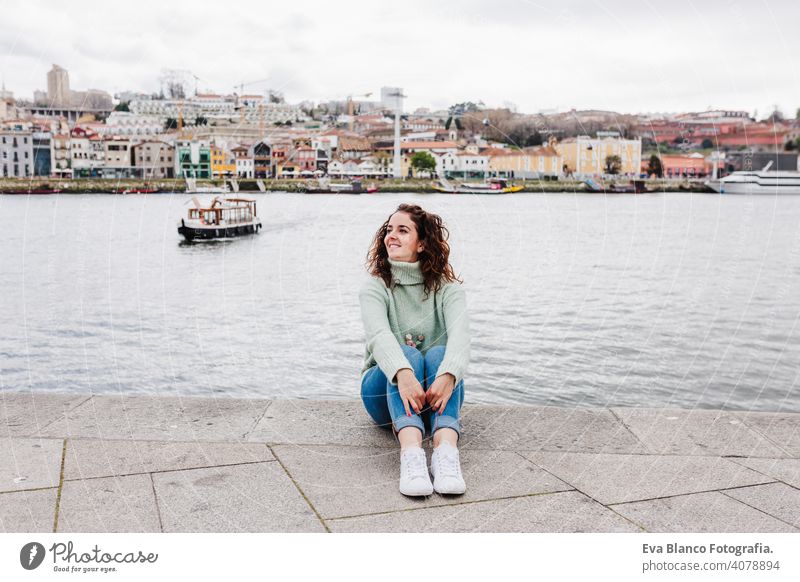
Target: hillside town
x=179, y=133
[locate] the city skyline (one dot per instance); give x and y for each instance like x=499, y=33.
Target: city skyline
x=531, y=56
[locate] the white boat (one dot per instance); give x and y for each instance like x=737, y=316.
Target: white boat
x=193, y=188
x=222, y=218
x=763, y=182
x=490, y=186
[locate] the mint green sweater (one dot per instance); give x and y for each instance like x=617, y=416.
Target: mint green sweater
x=390, y=314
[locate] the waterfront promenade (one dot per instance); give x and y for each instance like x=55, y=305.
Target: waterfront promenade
x=82, y=463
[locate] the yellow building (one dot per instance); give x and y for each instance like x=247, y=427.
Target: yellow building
x=526, y=163
x=585, y=156
x=223, y=164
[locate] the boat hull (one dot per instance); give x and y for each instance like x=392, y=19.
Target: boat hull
x=214, y=232
x=509, y=190
x=734, y=188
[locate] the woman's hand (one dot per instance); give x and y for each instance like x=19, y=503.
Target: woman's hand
x=411, y=392
x=440, y=391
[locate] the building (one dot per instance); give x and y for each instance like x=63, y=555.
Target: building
x=528, y=163
x=223, y=164
x=58, y=92
x=306, y=159
x=124, y=123
x=154, y=159
x=118, y=158
x=16, y=150
x=245, y=163
x=586, y=156
x=192, y=159
x=7, y=108
x=352, y=148
x=61, y=101
x=42, y=153
x=60, y=164
x=750, y=160
x=264, y=160
x=678, y=166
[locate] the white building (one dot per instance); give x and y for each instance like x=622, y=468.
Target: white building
x=16, y=152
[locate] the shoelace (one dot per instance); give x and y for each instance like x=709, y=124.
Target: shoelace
x=414, y=465
x=448, y=464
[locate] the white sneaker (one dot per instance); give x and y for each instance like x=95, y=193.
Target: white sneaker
x=446, y=469
x=414, y=477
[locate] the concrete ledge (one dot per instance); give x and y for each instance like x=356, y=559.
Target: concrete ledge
x=151, y=464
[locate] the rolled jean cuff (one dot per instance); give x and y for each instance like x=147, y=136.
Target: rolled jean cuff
x=406, y=421
x=443, y=421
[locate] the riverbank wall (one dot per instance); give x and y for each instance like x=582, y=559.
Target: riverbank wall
x=106, y=186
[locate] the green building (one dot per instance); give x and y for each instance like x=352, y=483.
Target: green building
x=193, y=160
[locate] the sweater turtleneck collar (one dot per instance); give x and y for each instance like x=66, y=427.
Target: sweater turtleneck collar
x=406, y=273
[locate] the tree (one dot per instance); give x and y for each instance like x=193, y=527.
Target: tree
x=175, y=90
x=707, y=144
x=789, y=146
x=122, y=106
x=797, y=114
x=776, y=116
x=275, y=96
x=654, y=166
x=423, y=162
x=613, y=164
x=535, y=139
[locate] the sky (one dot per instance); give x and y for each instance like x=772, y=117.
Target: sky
x=627, y=56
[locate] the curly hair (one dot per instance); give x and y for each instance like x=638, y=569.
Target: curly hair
x=435, y=255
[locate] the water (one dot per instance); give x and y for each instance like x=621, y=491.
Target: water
x=575, y=300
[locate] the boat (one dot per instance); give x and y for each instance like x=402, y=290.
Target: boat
x=34, y=191
x=490, y=186
x=325, y=186
x=222, y=218
x=763, y=182
x=193, y=188
x=137, y=190
x=633, y=187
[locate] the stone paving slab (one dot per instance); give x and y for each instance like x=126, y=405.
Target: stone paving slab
x=700, y=513
x=142, y=463
x=781, y=428
x=26, y=413
x=257, y=497
x=27, y=463
x=776, y=499
x=320, y=423
x=101, y=458
x=786, y=470
x=28, y=511
x=346, y=481
x=109, y=505
x=156, y=418
x=620, y=478
x=547, y=429
x=554, y=512
x=696, y=432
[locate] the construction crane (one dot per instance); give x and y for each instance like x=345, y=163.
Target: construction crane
x=242, y=85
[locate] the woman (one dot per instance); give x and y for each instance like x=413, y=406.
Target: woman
x=415, y=319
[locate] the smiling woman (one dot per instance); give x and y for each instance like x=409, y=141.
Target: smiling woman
x=415, y=318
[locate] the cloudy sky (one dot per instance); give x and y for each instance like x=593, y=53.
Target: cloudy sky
x=629, y=56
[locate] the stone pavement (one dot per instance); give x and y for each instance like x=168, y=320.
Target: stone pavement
x=82, y=463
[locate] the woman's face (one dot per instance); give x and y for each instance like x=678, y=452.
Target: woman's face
x=401, y=240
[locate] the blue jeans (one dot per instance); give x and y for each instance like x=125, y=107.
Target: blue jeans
x=383, y=403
